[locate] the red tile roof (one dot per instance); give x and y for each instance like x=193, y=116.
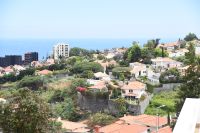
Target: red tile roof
x=134, y=85
x=166, y=129
x=121, y=127
x=144, y=119
x=44, y=72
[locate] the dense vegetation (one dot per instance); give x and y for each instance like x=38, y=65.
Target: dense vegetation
x=162, y=98
x=170, y=76
x=100, y=119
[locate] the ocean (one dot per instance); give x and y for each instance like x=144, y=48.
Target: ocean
x=44, y=46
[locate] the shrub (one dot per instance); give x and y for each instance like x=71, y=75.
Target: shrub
x=87, y=66
x=33, y=83
x=100, y=119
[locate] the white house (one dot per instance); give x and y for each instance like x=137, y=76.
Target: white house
x=170, y=46
x=101, y=76
x=178, y=53
x=153, y=77
x=133, y=90
x=97, y=85
x=138, y=69
x=165, y=63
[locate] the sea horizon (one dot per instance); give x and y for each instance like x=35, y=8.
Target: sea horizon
x=44, y=46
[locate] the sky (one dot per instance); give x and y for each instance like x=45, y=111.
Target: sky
x=99, y=18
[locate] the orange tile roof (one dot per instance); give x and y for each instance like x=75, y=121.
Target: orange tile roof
x=134, y=128
x=134, y=85
x=44, y=72
x=144, y=119
x=121, y=127
x=166, y=129
x=98, y=85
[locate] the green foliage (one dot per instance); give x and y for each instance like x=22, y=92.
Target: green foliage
x=134, y=53
x=170, y=76
x=25, y=113
x=162, y=98
x=121, y=106
x=150, y=88
x=101, y=57
x=12, y=78
x=55, y=127
x=84, y=66
x=66, y=110
x=121, y=77
x=57, y=96
x=152, y=44
x=53, y=67
x=27, y=72
x=115, y=93
x=191, y=56
x=79, y=52
x=87, y=74
x=34, y=83
x=182, y=59
x=142, y=98
x=190, y=37
x=100, y=119
x=121, y=70
x=78, y=82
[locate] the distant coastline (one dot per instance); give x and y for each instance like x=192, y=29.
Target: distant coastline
x=44, y=46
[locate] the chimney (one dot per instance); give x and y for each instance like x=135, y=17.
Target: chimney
x=96, y=129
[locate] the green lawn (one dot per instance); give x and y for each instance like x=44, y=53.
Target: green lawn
x=162, y=98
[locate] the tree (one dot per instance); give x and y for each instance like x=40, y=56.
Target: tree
x=88, y=74
x=79, y=52
x=170, y=76
x=33, y=83
x=100, y=119
x=191, y=85
x=121, y=70
x=190, y=37
x=191, y=56
x=134, y=53
x=79, y=68
x=66, y=110
x=25, y=112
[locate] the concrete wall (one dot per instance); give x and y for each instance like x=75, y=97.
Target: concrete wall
x=92, y=103
x=166, y=87
x=96, y=105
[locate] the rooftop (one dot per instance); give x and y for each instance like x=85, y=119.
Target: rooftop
x=134, y=85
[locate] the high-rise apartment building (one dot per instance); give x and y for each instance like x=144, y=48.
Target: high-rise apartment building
x=61, y=50
x=10, y=60
x=30, y=56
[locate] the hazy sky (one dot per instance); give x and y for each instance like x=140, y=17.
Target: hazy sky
x=98, y=18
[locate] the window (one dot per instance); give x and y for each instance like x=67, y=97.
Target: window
x=130, y=90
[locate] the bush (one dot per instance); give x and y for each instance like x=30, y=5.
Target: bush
x=170, y=76
x=33, y=83
x=87, y=74
x=190, y=37
x=150, y=88
x=121, y=70
x=100, y=119
x=87, y=66
x=121, y=106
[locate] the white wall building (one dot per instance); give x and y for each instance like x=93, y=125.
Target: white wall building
x=138, y=69
x=165, y=63
x=133, y=90
x=61, y=49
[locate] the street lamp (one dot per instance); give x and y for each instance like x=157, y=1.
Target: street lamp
x=157, y=121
